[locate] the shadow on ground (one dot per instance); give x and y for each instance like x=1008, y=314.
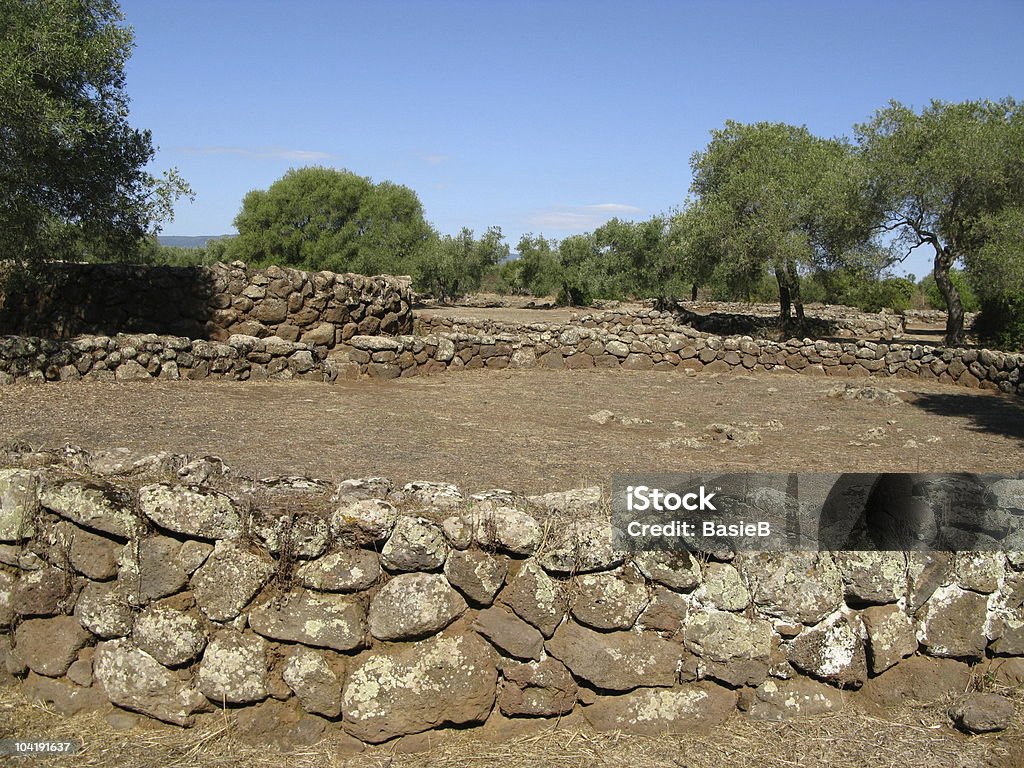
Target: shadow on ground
x=997, y=415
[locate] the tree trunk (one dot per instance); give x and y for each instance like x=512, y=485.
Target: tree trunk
x=693, y=292
x=954, y=307
x=794, y=290
x=784, y=300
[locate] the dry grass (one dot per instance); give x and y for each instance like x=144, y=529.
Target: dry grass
x=909, y=738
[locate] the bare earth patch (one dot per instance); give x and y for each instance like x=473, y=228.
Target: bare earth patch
x=532, y=430
x=529, y=429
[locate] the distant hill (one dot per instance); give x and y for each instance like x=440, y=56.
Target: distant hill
x=186, y=241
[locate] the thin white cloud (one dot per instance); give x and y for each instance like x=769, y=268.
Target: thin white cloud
x=277, y=153
x=578, y=218
x=614, y=208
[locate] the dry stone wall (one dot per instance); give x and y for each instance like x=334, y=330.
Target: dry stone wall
x=164, y=587
x=211, y=303
x=550, y=346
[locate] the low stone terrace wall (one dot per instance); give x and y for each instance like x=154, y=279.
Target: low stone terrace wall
x=165, y=587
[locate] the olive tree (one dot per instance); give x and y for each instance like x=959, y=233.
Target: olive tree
x=73, y=178
x=950, y=177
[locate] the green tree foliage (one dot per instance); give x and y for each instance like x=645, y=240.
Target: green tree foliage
x=537, y=269
x=951, y=177
x=322, y=218
x=934, y=298
x=452, y=266
x=996, y=271
x=774, y=197
x=72, y=170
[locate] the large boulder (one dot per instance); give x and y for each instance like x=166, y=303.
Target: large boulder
x=476, y=574
x=150, y=569
x=802, y=587
x=503, y=527
x=952, y=623
x=616, y=661
x=536, y=689
x=313, y=681
x=658, y=712
x=536, y=598
x=735, y=649
x=347, y=570
x=170, y=636
x=229, y=579
x=359, y=521
x=415, y=544
x=509, y=633
x=133, y=679
x=311, y=618
x=609, y=600
x=890, y=635
x=104, y=611
x=797, y=697
x=191, y=511
x=832, y=651
x=414, y=605
x=678, y=570
x=95, y=505
x=49, y=646
x=873, y=577
x=19, y=503
x=234, y=668
x=413, y=688
x=580, y=546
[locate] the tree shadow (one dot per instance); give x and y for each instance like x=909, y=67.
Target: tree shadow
x=63, y=300
x=993, y=414
x=758, y=326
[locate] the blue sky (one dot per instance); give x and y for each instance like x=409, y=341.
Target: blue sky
x=543, y=117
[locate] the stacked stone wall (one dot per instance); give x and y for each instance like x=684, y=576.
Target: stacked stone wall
x=556, y=347
x=210, y=303
x=165, y=587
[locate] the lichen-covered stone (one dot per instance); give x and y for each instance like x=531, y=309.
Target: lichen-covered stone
x=89, y=554
x=891, y=636
x=804, y=587
x=413, y=688
x=658, y=712
x=103, y=610
x=666, y=612
x=415, y=544
x=585, y=501
x=133, y=679
x=150, y=569
x=312, y=618
x=363, y=521
x=979, y=571
x=580, y=546
x=91, y=504
x=617, y=661
x=229, y=579
x=476, y=574
x=798, y=697
x=414, y=605
x=191, y=511
x=722, y=587
x=347, y=570
x=313, y=681
x=49, y=646
x=509, y=633
x=832, y=651
x=735, y=649
x=608, y=600
x=678, y=570
x=170, y=636
x=536, y=598
x=44, y=592
x=304, y=535
x=234, y=668
x=873, y=577
x=536, y=689
x=503, y=527
x=19, y=503
x=952, y=623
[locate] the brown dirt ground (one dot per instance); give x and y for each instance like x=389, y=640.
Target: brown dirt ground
x=530, y=430
x=526, y=429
